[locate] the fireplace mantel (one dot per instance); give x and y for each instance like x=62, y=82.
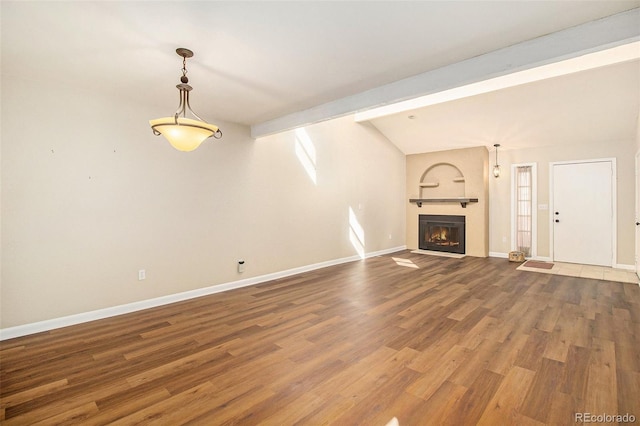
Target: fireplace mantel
x=462, y=200
x=462, y=176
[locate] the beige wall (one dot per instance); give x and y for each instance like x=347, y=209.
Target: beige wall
x=500, y=190
x=638, y=134
x=90, y=196
x=473, y=163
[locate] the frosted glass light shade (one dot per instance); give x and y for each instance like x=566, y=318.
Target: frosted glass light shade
x=187, y=135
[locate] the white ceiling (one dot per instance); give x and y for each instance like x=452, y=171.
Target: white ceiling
x=587, y=107
x=257, y=61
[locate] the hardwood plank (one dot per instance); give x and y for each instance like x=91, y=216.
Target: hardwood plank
x=602, y=375
x=178, y=409
x=62, y=410
x=231, y=405
x=576, y=371
x=188, y=362
x=531, y=355
x=504, y=406
x=470, y=321
x=303, y=406
x=522, y=420
x=557, y=344
x=442, y=368
x=32, y=393
x=429, y=358
x=352, y=374
x=629, y=389
x=377, y=404
x=402, y=406
x=77, y=415
x=378, y=373
x=329, y=412
x=477, y=361
x=127, y=402
x=440, y=408
x=67, y=398
x=564, y=408
x=507, y=354
x=473, y=403
x=484, y=329
x=356, y=343
x=540, y=396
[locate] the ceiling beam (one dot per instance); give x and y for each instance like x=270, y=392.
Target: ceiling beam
x=602, y=34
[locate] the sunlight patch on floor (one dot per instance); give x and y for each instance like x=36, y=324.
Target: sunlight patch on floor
x=405, y=262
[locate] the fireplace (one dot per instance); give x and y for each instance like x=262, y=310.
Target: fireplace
x=441, y=233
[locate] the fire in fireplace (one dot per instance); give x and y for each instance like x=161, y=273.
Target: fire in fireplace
x=442, y=233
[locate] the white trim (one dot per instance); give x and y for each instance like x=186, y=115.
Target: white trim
x=534, y=207
x=548, y=259
x=498, y=254
x=614, y=202
x=624, y=266
x=636, y=232
x=37, y=327
x=506, y=256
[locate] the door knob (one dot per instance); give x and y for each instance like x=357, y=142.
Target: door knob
x=637, y=223
x=557, y=212
x=557, y=221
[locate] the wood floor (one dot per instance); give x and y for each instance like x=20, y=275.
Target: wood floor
x=429, y=340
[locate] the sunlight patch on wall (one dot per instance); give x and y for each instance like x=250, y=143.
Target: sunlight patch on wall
x=306, y=153
x=356, y=234
x=405, y=262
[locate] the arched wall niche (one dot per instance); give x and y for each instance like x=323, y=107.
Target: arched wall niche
x=470, y=164
x=442, y=180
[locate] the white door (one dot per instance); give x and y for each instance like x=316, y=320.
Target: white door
x=582, y=215
x=638, y=214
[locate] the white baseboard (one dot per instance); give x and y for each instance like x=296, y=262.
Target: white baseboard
x=625, y=267
x=498, y=254
x=38, y=327
x=506, y=256
x=548, y=259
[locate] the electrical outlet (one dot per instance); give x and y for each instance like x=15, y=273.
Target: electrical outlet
x=142, y=274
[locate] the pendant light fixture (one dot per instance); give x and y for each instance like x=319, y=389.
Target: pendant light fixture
x=496, y=168
x=184, y=134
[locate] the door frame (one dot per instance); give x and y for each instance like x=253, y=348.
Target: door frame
x=614, y=204
x=637, y=214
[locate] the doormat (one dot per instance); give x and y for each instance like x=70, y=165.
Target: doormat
x=536, y=264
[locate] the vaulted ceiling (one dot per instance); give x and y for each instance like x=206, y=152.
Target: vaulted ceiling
x=258, y=62
x=594, y=106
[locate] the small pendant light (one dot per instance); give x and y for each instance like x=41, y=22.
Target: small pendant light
x=496, y=168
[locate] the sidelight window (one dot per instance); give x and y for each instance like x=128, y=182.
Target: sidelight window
x=524, y=208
